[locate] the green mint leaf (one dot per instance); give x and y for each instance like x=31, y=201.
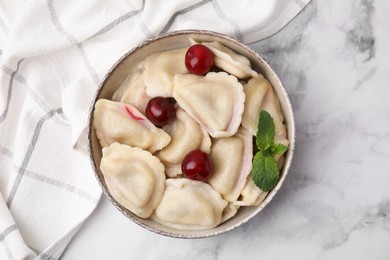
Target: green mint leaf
x=265, y=131
x=279, y=149
x=268, y=152
x=265, y=172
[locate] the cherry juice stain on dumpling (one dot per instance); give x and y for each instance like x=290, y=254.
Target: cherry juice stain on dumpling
x=215, y=101
x=123, y=123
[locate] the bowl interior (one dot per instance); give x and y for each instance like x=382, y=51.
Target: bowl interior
x=176, y=40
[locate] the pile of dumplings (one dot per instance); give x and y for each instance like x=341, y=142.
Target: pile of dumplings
x=217, y=113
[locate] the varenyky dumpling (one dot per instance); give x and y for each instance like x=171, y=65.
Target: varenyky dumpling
x=187, y=135
x=133, y=90
x=134, y=177
x=230, y=61
x=160, y=69
x=251, y=195
x=215, y=101
x=255, y=91
x=189, y=205
x=119, y=122
x=231, y=158
x=260, y=96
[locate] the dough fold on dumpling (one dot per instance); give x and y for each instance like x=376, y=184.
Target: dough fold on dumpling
x=231, y=158
x=189, y=205
x=119, y=122
x=133, y=90
x=229, y=212
x=134, y=177
x=251, y=195
x=160, y=69
x=215, y=101
x=230, y=61
x=186, y=135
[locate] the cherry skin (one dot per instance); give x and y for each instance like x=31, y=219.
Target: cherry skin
x=199, y=59
x=196, y=165
x=160, y=111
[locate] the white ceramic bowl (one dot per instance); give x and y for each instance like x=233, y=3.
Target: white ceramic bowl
x=174, y=40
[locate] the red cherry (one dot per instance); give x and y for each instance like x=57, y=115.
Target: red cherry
x=196, y=165
x=199, y=59
x=160, y=111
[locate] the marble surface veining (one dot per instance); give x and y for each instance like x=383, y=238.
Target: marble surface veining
x=334, y=59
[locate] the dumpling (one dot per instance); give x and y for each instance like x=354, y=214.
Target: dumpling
x=160, y=68
x=133, y=75
x=255, y=91
x=251, y=195
x=189, y=205
x=230, y=61
x=281, y=159
x=260, y=96
x=134, y=177
x=231, y=158
x=119, y=122
x=229, y=212
x=187, y=135
x=215, y=101
x=271, y=104
x=133, y=91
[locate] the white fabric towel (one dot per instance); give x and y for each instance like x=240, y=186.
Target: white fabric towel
x=53, y=56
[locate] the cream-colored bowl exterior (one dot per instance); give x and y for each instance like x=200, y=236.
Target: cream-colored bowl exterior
x=174, y=40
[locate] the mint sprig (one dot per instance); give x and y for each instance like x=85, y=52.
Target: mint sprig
x=265, y=173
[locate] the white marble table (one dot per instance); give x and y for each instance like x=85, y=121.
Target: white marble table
x=334, y=59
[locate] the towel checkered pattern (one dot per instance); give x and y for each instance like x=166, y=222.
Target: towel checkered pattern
x=53, y=55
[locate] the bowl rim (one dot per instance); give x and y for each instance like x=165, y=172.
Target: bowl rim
x=291, y=137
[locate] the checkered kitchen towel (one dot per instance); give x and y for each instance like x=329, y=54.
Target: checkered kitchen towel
x=53, y=56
